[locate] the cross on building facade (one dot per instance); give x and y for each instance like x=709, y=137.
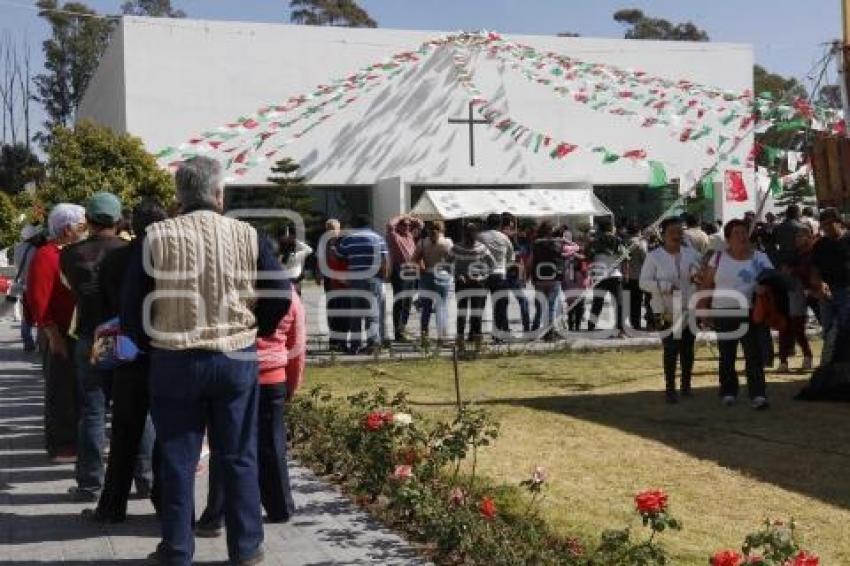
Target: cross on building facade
x=471, y=121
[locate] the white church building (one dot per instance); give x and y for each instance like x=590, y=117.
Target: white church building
x=166, y=81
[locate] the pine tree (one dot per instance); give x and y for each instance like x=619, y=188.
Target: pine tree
x=290, y=193
x=641, y=26
x=800, y=193
x=343, y=13
x=151, y=8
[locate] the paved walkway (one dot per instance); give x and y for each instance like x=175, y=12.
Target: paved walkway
x=39, y=525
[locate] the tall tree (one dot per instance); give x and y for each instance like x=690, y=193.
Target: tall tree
x=72, y=53
x=15, y=90
x=776, y=85
x=151, y=8
x=640, y=26
x=18, y=166
x=343, y=13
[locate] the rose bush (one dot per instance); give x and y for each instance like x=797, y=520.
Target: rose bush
x=420, y=477
x=775, y=544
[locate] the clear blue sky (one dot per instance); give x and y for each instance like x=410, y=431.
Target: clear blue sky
x=787, y=34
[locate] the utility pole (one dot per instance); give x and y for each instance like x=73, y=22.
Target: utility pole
x=844, y=65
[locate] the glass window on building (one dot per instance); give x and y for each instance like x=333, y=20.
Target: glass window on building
x=342, y=203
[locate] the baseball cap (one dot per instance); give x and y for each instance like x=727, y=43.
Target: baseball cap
x=104, y=208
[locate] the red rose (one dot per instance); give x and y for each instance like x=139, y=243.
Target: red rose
x=374, y=421
x=651, y=502
x=727, y=558
x=805, y=559
x=387, y=416
x=488, y=508
x=575, y=547
x=410, y=457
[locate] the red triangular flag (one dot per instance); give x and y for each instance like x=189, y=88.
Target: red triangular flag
x=736, y=190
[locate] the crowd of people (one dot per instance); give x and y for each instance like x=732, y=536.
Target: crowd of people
x=746, y=277
x=190, y=325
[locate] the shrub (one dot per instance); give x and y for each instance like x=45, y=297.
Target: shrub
x=407, y=470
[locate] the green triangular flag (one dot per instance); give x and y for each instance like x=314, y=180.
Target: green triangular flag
x=775, y=185
x=771, y=154
x=610, y=157
x=708, y=186
x=657, y=175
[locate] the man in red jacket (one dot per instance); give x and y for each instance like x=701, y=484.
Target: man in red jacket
x=51, y=306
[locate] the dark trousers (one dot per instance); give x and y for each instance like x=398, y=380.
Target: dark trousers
x=752, y=346
x=401, y=303
x=26, y=334
x=795, y=332
x=497, y=285
x=60, y=402
x=678, y=349
x=275, y=488
x=636, y=302
x=471, y=298
x=338, y=322
x=575, y=314
x=613, y=286
x=766, y=343
x=190, y=389
x=131, y=442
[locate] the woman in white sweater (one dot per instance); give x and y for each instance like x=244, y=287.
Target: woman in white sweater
x=668, y=275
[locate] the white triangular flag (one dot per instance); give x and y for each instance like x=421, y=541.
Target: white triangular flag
x=793, y=160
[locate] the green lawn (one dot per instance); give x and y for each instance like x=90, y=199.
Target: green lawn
x=598, y=422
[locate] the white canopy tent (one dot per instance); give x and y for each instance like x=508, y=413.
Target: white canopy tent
x=535, y=203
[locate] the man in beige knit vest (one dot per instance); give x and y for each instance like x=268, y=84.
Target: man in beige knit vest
x=198, y=294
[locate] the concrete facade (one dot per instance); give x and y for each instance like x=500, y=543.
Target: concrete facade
x=167, y=80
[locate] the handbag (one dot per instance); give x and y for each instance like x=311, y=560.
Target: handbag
x=111, y=348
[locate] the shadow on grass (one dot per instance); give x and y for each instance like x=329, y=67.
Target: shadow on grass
x=798, y=446
x=802, y=447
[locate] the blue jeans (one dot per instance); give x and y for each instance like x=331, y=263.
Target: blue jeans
x=189, y=389
x=375, y=320
x=552, y=293
x=93, y=394
x=517, y=287
x=275, y=488
x=435, y=289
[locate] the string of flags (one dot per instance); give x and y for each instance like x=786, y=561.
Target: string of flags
x=718, y=119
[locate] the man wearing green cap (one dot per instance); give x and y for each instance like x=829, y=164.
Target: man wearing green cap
x=80, y=264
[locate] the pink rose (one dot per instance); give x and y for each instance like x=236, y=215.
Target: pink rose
x=540, y=475
x=402, y=472
x=457, y=497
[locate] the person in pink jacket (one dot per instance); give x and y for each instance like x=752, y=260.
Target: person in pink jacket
x=282, y=358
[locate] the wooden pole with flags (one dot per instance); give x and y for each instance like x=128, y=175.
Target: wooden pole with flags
x=844, y=64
